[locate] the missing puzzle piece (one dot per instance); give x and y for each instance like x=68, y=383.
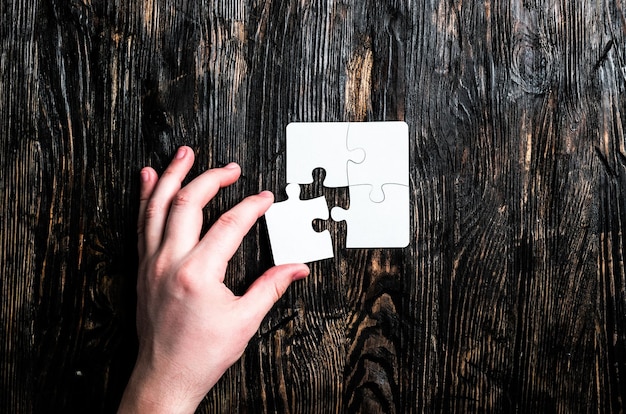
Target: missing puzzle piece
x=290, y=229
x=376, y=225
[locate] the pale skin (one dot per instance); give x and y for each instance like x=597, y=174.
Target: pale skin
x=191, y=326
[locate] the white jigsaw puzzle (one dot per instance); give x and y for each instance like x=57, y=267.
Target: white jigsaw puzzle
x=290, y=229
x=372, y=160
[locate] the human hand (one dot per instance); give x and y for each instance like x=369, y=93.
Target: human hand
x=192, y=327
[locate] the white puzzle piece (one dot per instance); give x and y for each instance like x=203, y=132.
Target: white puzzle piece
x=290, y=229
x=312, y=145
x=376, y=225
x=386, y=146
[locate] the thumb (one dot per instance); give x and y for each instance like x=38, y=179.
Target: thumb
x=270, y=286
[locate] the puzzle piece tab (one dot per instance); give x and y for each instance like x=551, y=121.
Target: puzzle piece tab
x=386, y=146
x=290, y=229
x=376, y=225
x=312, y=145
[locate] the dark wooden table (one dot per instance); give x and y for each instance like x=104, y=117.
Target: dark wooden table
x=512, y=294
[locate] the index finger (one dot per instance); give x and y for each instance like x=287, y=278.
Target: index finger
x=222, y=240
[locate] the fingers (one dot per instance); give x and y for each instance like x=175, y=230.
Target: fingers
x=269, y=287
x=184, y=224
x=157, y=208
x=225, y=236
x=148, y=181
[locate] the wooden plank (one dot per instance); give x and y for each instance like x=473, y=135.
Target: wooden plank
x=20, y=182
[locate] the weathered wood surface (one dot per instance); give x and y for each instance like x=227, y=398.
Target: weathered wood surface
x=512, y=294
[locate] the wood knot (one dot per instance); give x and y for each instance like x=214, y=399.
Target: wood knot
x=532, y=65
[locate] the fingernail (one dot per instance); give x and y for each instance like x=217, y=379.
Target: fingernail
x=232, y=166
x=181, y=153
x=145, y=176
x=267, y=194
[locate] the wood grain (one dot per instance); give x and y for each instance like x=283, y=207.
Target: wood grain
x=511, y=295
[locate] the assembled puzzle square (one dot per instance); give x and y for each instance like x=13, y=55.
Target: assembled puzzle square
x=371, y=159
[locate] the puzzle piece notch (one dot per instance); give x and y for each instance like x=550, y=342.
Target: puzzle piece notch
x=312, y=145
x=376, y=194
x=376, y=225
x=386, y=146
x=290, y=229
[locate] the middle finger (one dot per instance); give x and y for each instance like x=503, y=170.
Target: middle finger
x=184, y=223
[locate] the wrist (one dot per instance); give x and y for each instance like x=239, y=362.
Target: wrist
x=155, y=393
